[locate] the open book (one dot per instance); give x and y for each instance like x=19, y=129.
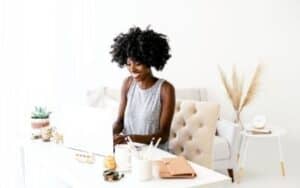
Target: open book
x=176, y=167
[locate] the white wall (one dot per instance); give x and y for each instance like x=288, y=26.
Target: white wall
x=58, y=49
x=204, y=34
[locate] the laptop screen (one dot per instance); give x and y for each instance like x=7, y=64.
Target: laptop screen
x=87, y=129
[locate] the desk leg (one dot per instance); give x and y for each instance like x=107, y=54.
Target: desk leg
x=22, y=158
x=281, y=157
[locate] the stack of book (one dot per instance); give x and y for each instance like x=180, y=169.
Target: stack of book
x=259, y=131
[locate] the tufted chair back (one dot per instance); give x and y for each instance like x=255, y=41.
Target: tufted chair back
x=193, y=129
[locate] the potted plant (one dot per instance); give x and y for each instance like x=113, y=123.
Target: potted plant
x=40, y=117
x=39, y=120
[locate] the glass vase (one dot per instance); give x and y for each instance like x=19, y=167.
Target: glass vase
x=238, y=119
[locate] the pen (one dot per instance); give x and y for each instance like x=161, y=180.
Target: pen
x=157, y=142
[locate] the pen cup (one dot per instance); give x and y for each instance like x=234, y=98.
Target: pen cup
x=141, y=169
x=122, y=156
x=155, y=169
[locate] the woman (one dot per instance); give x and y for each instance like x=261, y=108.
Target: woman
x=147, y=102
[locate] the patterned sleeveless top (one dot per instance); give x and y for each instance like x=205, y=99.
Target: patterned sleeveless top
x=142, y=113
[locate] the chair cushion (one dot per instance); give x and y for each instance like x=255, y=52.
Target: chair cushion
x=192, y=130
x=221, y=148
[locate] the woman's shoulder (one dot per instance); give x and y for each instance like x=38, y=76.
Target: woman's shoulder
x=126, y=84
x=167, y=87
x=166, y=84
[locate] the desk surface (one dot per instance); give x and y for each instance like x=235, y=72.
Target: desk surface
x=60, y=162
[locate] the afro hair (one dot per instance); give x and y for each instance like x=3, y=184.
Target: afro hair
x=145, y=46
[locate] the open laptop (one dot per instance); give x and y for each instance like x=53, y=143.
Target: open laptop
x=87, y=129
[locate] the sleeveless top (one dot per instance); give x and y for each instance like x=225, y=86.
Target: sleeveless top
x=142, y=113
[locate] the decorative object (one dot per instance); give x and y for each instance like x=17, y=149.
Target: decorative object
x=259, y=122
x=112, y=175
x=110, y=162
x=39, y=117
x=236, y=93
x=57, y=137
x=46, y=133
x=260, y=131
x=39, y=120
x=85, y=158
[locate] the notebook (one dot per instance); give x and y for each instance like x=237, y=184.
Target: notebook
x=176, y=167
x=87, y=129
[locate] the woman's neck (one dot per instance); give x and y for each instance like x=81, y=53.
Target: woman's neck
x=147, y=82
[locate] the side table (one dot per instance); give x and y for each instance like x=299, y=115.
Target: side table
x=276, y=133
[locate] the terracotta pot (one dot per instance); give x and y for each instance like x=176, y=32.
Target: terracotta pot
x=39, y=123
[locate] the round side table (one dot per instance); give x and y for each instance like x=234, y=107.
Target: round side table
x=276, y=133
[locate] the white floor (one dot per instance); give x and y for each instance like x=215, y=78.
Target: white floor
x=255, y=177
x=262, y=167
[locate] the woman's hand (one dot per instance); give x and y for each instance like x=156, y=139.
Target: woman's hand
x=119, y=139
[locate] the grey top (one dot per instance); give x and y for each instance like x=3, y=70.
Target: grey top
x=142, y=113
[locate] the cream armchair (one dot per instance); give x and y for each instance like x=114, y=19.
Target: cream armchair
x=193, y=129
x=225, y=145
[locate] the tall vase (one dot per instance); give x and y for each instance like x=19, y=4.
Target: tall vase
x=238, y=119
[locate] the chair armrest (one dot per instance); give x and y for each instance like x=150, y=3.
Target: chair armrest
x=231, y=132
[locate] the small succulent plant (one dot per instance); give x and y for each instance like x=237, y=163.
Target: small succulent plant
x=40, y=113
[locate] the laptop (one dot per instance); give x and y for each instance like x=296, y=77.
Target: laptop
x=87, y=129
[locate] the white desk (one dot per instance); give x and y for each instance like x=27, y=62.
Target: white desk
x=44, y=161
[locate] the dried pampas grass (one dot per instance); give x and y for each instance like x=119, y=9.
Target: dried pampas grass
x=235, y=90
x=253, y=87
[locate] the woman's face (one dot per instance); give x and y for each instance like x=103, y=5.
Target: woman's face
x=137, y=70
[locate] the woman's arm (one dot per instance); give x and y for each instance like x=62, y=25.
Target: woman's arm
x=118, y=124
x=166, y=116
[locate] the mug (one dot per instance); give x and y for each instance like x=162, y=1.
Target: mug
x=122, y=156
x=141, y=169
